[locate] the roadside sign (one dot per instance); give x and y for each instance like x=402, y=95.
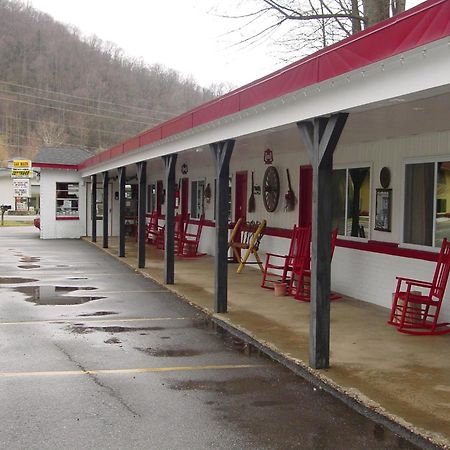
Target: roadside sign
x=21, y=173
x=22, y=188
x=21, y=164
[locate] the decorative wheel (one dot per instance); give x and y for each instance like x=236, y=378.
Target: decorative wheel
x=271, y=189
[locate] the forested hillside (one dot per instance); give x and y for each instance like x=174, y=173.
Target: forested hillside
x=59, y=88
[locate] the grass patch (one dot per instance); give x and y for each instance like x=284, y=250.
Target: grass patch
x=16, y=223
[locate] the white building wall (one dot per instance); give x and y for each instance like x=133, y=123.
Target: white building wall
x=50, y=227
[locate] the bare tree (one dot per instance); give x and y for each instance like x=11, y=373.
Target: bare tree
x=298, y=26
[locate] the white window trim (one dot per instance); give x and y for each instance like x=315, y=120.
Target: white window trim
x=193, y=180
x=419, y=160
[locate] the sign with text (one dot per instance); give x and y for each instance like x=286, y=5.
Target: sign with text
x=21, y=173
x=22, y=188
x=21, y=164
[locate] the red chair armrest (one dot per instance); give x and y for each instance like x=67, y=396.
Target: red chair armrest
x=276, y=255
x=419, y=283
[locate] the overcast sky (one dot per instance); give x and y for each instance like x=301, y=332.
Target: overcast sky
x=181, y=34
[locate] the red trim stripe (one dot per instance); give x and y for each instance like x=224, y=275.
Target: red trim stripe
x=417, y=26
x=56, y=166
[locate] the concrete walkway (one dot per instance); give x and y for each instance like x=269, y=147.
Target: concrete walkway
x=404, y=377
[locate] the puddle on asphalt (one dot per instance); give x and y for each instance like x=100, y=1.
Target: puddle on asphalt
x=97, y=313
x=235, y=386
x=169, y=353
x=15, y=280
x=231, y=342
x=30, y=259
x=29, y=266
x=80, y=329
x=113, y=340
x=54, y=295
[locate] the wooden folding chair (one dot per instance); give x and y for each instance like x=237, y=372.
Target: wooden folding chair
x=188, y=243
x=278, y=268
x=234, y=231
x=417, y=312
x=300, y=286
x=251, y=235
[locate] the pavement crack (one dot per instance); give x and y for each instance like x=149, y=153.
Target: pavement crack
x=113, y=393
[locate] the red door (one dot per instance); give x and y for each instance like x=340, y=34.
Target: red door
x=240, y=198
x=305, y=209
x=184, y=206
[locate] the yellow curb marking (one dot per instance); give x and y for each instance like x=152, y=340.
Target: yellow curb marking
x=86, y=320
x=126, y=371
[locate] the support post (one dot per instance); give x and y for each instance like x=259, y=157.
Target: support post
x=222, y=152
x=94, y=208
x=170, y=162
x=105, y=208
x=321, y=136
x=122, y=174
x=142, y=190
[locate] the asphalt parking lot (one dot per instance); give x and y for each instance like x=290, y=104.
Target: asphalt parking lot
x=93, y=355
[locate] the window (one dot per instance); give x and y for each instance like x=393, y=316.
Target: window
x=67, y=200
x=99, y=201
x=197, y=198
x=427, y=209
x=351, y=201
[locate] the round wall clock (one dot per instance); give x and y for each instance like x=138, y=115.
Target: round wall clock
x=271, y=189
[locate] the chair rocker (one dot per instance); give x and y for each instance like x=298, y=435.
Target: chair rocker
x=188, y=243
x=251, y=235
x=300, y=286
x=417, y=311
x=278, y=268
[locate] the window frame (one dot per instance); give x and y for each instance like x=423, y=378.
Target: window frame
x=65, y=216
x=202, y=203
x=347, y=167
x=434, y=159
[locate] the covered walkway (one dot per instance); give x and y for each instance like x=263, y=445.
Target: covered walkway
x=404, y=377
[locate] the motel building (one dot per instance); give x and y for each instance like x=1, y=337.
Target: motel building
x=361, y=132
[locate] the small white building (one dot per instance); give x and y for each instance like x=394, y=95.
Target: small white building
x=63, y=201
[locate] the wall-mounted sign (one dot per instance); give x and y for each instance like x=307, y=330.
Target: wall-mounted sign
x=21, y=173
x=21, y=164
x=184, y=168
x=268, y=156
x=22, y=188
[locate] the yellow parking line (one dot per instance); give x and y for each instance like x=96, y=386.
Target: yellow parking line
x=87, y=320
x=127, y=371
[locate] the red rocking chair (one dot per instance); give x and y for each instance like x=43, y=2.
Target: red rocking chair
x=300, y=286
x=417, y=312
x=152, y=229
x=188, y=243
x=180, y=227
x=278, y=268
